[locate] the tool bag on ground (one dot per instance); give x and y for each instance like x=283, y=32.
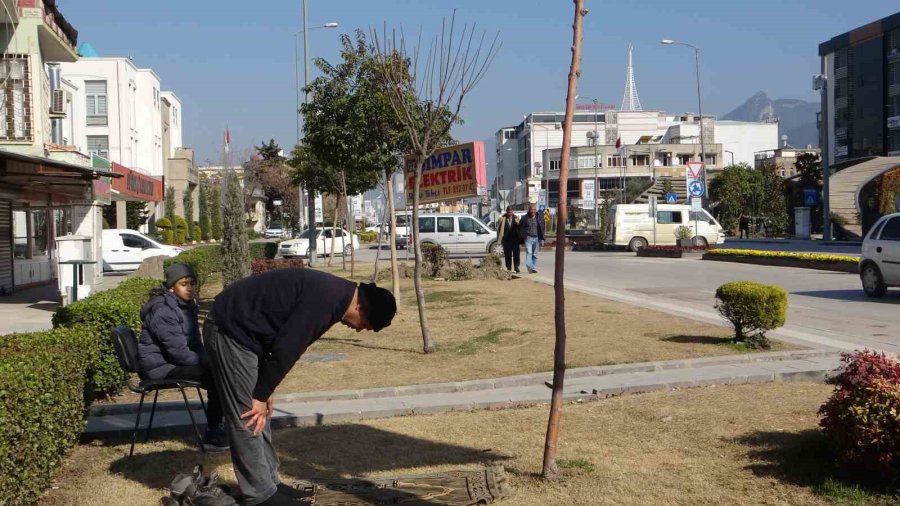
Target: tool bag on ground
x=197, y=490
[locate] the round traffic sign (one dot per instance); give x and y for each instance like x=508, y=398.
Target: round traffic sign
x=696, y=188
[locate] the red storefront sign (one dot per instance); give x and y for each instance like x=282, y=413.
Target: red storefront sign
x=136, y=185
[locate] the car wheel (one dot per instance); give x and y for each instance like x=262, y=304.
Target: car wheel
x=348, y=250
x=872, y=282
x=700, y=241
x=636, y=243
x=495, y=248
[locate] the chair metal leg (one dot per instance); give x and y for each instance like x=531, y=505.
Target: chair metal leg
x=193, y=422
x=152, y=412
x=137, y=422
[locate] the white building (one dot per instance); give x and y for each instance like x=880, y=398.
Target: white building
x=520, y=150
x=121, y=114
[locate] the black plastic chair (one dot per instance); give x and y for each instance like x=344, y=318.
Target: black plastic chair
x=125, y=343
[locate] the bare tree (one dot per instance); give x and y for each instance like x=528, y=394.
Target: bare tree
x=426, y=90
x=550, y=469
x=392, y=237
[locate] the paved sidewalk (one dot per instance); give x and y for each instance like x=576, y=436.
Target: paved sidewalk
x=587, y=383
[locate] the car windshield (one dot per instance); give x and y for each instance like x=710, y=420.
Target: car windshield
x=305, y=234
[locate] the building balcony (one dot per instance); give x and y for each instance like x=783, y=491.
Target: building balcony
x=56, y=36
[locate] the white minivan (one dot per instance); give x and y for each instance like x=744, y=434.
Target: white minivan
x=457, y=233
x=632, y=226
x=125, y=249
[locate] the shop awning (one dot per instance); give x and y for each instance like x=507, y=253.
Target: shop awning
x=38, y=180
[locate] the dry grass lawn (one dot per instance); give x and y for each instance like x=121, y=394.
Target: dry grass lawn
x=485, y=329
x=747, y=444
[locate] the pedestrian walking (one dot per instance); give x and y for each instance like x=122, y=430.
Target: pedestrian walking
x=509, y=237
x=531, y=229
x=744, y=225
x=257, y=330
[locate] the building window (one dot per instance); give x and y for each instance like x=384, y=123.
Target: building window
x=96, y=102
x=614, y=161
x=554, y=165
x=684, y=159
x=15, y=99
x=640, y=160
x=509, y=134
x=98, y=145
x=710, y=160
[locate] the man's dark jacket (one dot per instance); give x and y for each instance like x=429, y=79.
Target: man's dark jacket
x=532, y=226
x=278, y=314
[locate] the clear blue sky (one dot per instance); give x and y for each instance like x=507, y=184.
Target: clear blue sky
x=232, y=62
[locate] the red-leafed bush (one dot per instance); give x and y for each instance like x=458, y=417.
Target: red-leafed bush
x=862, y=417
x=266, y=265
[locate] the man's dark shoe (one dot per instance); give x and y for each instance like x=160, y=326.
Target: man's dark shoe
x=297, y=491
x=517, y=270
x=216, y=440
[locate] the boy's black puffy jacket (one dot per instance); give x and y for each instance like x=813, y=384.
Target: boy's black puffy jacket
x=169, y=336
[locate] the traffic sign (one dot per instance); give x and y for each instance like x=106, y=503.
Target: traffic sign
x=546, y=215
x=696, y=204
x=541, y=209
x=695, y=169
x=695, y=188
x=810, y=197
x=671, y=198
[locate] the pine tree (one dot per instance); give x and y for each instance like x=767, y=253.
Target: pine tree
x=188, y=201
x=235, y=247
x=136, y=214
x=170, y=202
x=204, y=211
x=215, y=212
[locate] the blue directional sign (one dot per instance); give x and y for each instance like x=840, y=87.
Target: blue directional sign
x=810, y=197
x=541, y=209
x=696, y=188
x=671, y=198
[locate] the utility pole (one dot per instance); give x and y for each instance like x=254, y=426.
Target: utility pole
x=311, y=195
x=820, y=82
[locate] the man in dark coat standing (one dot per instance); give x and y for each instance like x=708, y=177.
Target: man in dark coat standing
x=256, y=332
x=508, y=235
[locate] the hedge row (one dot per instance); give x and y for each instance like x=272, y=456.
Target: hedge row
x=263, y=250
x=816, y=257
x=99, y=313
x=43, y=378
x=268, y=264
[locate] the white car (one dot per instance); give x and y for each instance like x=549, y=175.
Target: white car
x=457, y=233
x=274, y=232
x=125, y=249
x=299, y=247
x=879, y=265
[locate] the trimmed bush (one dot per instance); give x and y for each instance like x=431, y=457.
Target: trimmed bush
x=165, y=231
x=434, y=257
x=861, y=416
x=817, y=257
x=204, y=259
x=180, y=223
x=197, y=233
x=683, y=232
x=99, y=313
x=267, y=264
x=752, y=308
x=164, y=223
x=42, y=381
x=263, y=250
x=367, y=236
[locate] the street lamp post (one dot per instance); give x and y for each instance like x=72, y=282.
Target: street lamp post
x=730, y=153
x=700, y=107
x=311, y=197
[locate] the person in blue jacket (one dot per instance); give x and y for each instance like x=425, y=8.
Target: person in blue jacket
x=170, y=346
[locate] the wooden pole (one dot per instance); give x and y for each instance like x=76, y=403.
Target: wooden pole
x=392, y=236
x=550, y=469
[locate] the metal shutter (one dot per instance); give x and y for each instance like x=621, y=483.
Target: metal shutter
x=6, y=247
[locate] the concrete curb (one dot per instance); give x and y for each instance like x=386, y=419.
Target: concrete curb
x=490, y=383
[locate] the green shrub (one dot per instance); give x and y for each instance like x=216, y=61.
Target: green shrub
x=683, y=232
x=434, y=257
x=367, y=236
x=164, y=223
x=42, y=380
x=860, y=418
x=98, y=314
x=459, y=270
x=180, y=223
x=263, y=250
x=180, y=236
x=167, y=236
x=197, y=232
x=204, y=259
x=752, y=308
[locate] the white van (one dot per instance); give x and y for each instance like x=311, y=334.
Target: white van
x=125, y=249
x=458, y=233
x=631, y=225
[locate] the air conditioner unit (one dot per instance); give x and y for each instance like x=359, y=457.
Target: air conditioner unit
x=58, y=102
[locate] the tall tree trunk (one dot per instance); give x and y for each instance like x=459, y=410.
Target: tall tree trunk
x=427, y=345
x=337, y=217
x=550, y=469
x=395, y=273
x=351, y=221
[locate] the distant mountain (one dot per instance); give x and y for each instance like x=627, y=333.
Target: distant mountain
x=796, y=118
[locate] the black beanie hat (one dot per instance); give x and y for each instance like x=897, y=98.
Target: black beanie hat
x=378, y=304
x=175, y=272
